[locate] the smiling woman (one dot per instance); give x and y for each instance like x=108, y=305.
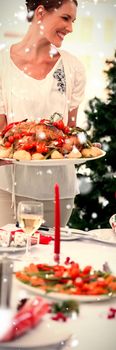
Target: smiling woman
x=38, y=80
x=63, y=15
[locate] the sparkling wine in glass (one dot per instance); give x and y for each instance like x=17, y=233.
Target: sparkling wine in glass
x=30, y=217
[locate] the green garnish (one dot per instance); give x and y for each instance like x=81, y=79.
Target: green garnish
x=66, y=307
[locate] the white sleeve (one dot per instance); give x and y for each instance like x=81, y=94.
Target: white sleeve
x=78, y=87
x=2, y=107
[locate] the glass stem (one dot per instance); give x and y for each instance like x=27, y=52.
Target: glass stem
x=28, y=245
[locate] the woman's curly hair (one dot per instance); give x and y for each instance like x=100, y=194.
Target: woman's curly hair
x=48, y=5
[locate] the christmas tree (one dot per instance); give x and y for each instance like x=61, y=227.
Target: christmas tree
x=96, y=202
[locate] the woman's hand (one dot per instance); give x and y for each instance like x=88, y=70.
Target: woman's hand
x=5, y=162
x=3, y=121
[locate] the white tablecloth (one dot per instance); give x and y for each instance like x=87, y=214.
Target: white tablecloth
x=92, y=328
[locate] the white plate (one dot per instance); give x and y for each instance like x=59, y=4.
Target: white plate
x=105, y=235
x=65, y=235
x=53, y=162
x=47, y=333
x=61, y=297
x=12, y=249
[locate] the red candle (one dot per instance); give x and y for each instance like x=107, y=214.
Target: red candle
x=57, y=225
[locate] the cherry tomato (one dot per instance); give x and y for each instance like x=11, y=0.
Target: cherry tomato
x=86, y=270
x=41, y=147
x=17, y=136
x=79, y=282
x=66, y=129
x=7, y=144
x=59, y=124
x=11, y=139
x=74, y=271
x=28, y=145
x=60, y=141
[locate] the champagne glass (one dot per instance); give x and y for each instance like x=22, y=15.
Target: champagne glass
x=30, y=217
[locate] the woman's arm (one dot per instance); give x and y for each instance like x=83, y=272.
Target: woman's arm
x=3, y=121
x=72, y=117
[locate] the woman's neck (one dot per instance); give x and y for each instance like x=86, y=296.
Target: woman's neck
x=34, y=47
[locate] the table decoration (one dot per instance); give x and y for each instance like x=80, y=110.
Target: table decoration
x=57, y=225
x=111, y=313
x=64, y=309
x=12, y=239
x=18, y=245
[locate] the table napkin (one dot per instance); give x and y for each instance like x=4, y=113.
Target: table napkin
x=43, y=239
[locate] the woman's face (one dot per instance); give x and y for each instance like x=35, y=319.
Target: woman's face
x=58, y=23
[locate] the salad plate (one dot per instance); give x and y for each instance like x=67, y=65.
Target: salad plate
x=61, y=297
x=67, y=281
x=53, y=162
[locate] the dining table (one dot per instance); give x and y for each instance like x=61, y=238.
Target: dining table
x=91, y=328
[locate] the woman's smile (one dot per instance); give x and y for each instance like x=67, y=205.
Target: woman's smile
x=61, y=35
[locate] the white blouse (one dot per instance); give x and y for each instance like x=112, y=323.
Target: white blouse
x=21, y=97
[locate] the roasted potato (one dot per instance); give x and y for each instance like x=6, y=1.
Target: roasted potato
x=91, y=152
x=74, y=154
x=37, y=156
x=56, y=155
x=5, y=152
x=22, y=155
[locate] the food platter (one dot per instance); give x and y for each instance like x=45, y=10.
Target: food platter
x=61, y=297
x=67, y=281
x=53, y=162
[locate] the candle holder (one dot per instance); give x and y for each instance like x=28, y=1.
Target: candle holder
x=57, y=258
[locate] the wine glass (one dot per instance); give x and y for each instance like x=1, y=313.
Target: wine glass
x=30, y=217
